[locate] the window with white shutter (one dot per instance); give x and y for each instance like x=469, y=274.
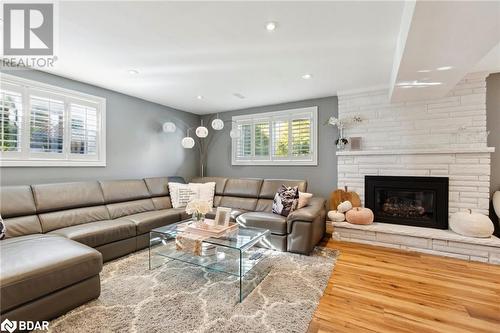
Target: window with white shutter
x=44, y=125
x=83, y=129
x=286, y=137
x=11, y=113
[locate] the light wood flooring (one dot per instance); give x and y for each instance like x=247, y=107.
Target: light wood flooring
x=375, y=289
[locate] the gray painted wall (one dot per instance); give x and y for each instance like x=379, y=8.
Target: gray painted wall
x=322, y=178
x=493, y=122
x=136, y=145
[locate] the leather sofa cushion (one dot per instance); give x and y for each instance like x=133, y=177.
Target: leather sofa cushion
x=264, y=205
x=162, y=202
x=67, y=218
x=245, y=188
x=238, y=203
x=157, y=186
x=16, y=201
x=37, y=265
x=182, y=213
x=120, y=209
x=220, y=183
x=271, y=186
x=274, y=222
x=217, y=200
x=22, y=225
x=124, y=190
x=147, y=221
x=51, y=197
x=99, y=233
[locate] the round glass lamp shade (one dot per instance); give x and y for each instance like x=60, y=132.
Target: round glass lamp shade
x=217, y=124
x=187, y=142
x=169, y=127
x=234, y=133
x=201, y=132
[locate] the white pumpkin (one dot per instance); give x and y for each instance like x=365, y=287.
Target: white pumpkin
x=471, y=224
x=344, y=206
x=336, y=216
x=496, y=203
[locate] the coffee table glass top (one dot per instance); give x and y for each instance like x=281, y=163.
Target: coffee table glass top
x=241, y=239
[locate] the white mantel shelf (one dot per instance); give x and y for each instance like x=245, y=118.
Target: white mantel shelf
x=410, y=151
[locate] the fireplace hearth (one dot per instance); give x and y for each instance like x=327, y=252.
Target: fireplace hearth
x=415, y=201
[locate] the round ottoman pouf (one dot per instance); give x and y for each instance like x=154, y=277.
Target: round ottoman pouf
x=359, y=215
x=471, y=224
x=336, y=216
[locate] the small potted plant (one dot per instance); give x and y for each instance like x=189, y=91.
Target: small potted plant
x=341, y=142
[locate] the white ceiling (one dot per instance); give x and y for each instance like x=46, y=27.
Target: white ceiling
x=445, y=41
x=220, y=48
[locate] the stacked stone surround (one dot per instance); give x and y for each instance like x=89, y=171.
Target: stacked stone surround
x=446, y=137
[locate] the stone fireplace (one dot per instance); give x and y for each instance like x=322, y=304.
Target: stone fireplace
x=414, y=201
x=440, y=142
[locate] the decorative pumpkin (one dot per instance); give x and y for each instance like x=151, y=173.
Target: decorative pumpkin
x=344, y=206
x=341, y=195
x=471, y=224
x=496, y=203
x=336, y=216
x=359, y=215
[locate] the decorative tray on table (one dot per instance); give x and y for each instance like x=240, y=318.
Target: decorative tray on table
x=207, y=229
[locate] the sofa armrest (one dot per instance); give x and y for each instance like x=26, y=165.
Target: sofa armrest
x=309, y=212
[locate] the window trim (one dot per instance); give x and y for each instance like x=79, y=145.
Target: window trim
x=24, y=158
x=289, y=115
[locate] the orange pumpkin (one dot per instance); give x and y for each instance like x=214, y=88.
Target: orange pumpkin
x=341, y=195
x=359, y=215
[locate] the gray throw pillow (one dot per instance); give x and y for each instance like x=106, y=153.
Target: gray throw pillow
x=286, y=200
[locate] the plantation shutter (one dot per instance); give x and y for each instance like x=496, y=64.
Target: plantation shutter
x=47, y=124
x=280, y=138
x=83, y=120
x=301, y=137
x=261, y=139
x=11, y=112
x=244, y=142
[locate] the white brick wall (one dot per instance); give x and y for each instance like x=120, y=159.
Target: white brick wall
x=455, y=121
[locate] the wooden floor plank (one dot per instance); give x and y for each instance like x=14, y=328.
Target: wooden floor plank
x=375, y=289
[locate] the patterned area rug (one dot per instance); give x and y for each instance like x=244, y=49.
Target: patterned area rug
x=179, y=297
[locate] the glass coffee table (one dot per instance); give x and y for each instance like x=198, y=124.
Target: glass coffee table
x=236, y=254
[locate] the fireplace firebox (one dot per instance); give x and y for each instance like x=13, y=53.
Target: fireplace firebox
x=415, y=201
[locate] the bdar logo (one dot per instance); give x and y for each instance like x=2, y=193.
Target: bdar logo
x=28, y=29
x=9, y=326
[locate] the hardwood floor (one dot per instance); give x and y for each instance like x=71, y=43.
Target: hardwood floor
x=375, y=289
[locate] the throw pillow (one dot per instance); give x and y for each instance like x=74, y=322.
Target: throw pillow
x=3, y=230
x=204, y=191
x=180, y=194
x=286, y=200
x=304, y=199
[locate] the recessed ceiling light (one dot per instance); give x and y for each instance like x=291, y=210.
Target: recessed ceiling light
x=199, y=97
x=424, y=71
x=444, y=68
x=271, y=26
x=133, y=71
x=307, y=76
x=407, y=84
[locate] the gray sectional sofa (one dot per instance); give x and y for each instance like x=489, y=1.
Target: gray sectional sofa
x=59, y=234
